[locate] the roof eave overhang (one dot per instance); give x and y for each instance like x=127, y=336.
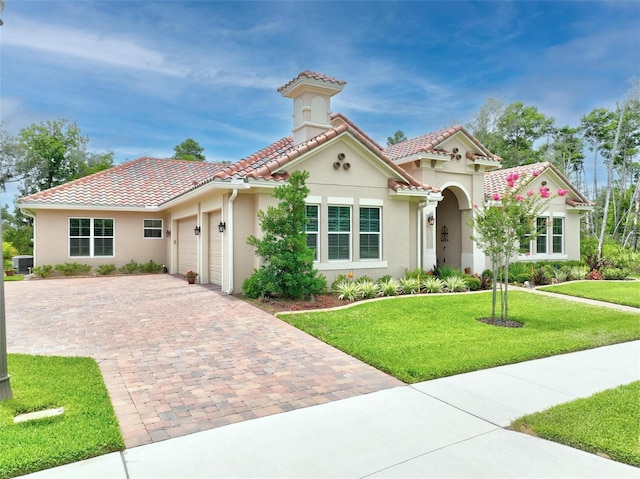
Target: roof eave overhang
x=417, y=194
x=76, y=207
x=216, y=184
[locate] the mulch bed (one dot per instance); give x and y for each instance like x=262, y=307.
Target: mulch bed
x=276, y=305
x=501, y=323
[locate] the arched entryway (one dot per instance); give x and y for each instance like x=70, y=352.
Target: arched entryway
x=453, y=242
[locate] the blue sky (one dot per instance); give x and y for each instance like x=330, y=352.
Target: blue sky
x=139, y=77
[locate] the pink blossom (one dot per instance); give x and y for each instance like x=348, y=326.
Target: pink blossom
x=475, y=205
x=516, y=176
x=496, y=197
x=544, y=192
x=562, y=192
x=530, y=193
x=536, y=173
x=519, y=198
x=510, y=183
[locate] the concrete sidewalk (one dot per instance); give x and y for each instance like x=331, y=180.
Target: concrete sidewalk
x=450, y=427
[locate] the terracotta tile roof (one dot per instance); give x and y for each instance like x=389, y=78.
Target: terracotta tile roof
x=429, y=142
x=136, y=184
x=313, y=76
x=151, y=182
x=495, y=182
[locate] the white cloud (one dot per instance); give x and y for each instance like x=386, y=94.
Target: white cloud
x=109, y=49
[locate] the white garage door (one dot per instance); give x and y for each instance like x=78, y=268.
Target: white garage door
x=187, y=246
x=215, y=249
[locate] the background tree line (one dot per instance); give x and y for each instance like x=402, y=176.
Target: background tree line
x=49, y=154
x=608, y=139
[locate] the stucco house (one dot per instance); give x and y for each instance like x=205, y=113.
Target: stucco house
x=372, y=210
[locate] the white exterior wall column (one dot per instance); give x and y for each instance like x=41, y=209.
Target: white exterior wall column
x=430, y=256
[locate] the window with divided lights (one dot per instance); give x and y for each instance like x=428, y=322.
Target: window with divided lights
x=541, y=239
x=313, y=229
x=550, y=237
x=557, y=235
x=369, y=233
x=339, y=233
x=152, y=228
x=90, y=237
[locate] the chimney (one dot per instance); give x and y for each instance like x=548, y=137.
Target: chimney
x=311, y=93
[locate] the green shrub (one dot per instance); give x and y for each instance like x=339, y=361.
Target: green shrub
x=384, y=279
x=69, y=269
x=473, y=283
x=129, y=268
x=485, y=281
x=105, y=269
x=367, y=289
x=454, y=284
x=341, y=278
x=409, y=285
x=614, y=273
x=443, y=272
x=388, y=286
x=8, y=252
x=432, y=284
x=577, y=273
x=560, y=275
x=43, y=271
x=418, y=273
x=519, y=272
x=347, y=290
x=252, y=287
x=150, y=267
x=540, y=276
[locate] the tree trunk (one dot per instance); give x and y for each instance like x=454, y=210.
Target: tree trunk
x=607, y=199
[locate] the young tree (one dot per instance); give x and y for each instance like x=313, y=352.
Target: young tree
x=398, y=137
x=501, y=225
x=189, y=150
x=287, y=268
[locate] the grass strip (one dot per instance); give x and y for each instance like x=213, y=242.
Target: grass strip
x=87, y=428
x=607, y=423
x=626, y=293
x=425, y=337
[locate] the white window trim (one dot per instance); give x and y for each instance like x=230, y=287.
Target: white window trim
x=350, y=206
x=91, y=237
x=549, y=255
x=151, y=228
x=317, y=232
x=379, y=233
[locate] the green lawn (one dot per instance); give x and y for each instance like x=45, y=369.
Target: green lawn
x=87, y=428
x=619, y=292
x=605, y=423
x=424, y=337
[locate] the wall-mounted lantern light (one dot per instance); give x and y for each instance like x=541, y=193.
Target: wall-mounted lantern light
x=222, y=226
x=167, y=233
x=196, y=230
x=431, y=220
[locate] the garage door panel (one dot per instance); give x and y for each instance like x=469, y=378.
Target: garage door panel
x=187, y=245
x=215, y=249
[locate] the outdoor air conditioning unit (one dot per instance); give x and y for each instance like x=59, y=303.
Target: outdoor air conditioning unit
x=22, y=264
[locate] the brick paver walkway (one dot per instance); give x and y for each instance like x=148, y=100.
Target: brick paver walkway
x=181, y=358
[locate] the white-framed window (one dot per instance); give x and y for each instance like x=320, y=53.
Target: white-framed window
x=339, y=232
x=557, y=235
x=370, y=233
x=312, y=229
x=89, y=237
x=152, y=229
x=549, y=239
x=542, y=238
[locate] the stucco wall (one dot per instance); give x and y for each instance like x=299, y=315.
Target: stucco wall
x=52, y=238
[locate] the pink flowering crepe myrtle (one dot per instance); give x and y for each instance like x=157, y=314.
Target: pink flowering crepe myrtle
x=501, y=224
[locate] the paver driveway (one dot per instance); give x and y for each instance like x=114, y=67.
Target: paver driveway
x=181, y=358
